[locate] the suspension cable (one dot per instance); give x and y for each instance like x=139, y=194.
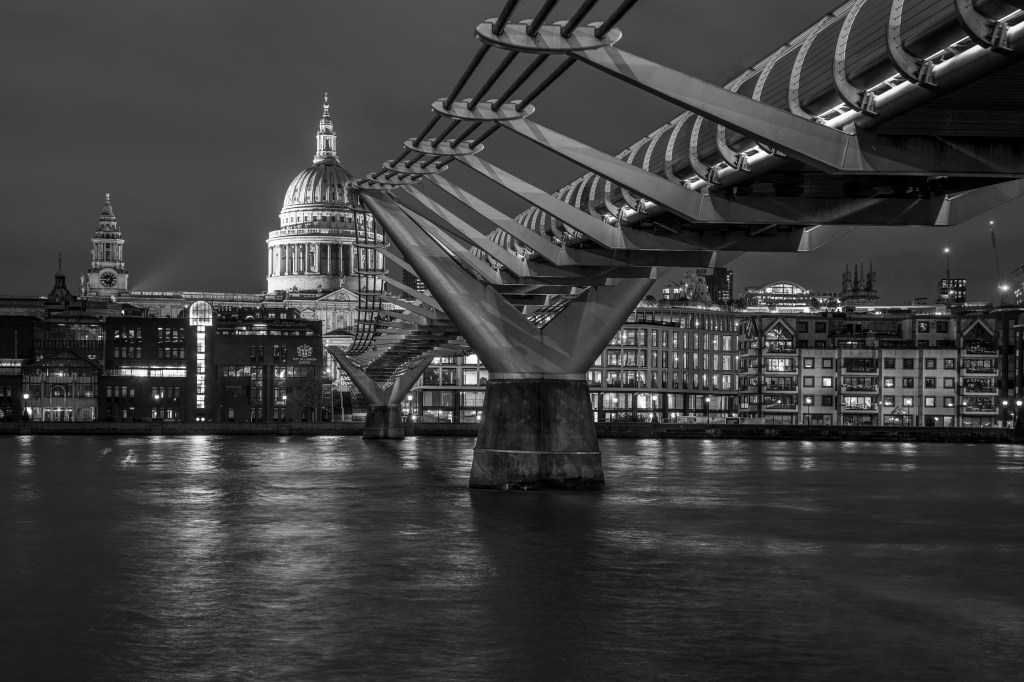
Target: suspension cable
x=466, y=133
x=499, y=24
x=576, y=18
x=538, y=20
x=527, y=72
x=490, y=131
x=552, y=77
x=433, y=122
x=477, y=58
x=447, y=131
x=614, y=18
x=502, y=67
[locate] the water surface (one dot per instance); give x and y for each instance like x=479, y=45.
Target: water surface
x=220, y=558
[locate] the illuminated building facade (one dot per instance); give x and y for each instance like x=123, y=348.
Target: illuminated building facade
x=667, y=363
x=874, y=369
x=314, y=249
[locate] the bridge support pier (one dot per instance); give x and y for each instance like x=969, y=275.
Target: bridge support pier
x=384, y=413
x=384, y=421
x=537, y=432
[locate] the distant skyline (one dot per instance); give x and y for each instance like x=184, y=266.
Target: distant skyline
x=195, y=116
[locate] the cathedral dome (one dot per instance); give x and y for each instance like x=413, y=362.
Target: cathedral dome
x=314, y=249
x=322, y=185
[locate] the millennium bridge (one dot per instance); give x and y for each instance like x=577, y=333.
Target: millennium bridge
x=883, y=113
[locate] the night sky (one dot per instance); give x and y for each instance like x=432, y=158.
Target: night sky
x=196, y=114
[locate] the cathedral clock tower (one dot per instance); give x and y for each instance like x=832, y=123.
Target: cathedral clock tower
x=107, y=274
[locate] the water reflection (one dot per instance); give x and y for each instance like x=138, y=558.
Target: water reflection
x=315, y=558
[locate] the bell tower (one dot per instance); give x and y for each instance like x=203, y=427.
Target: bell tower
x=107, y=274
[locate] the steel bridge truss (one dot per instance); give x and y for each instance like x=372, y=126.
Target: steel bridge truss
x=884, y=113
x=799, y=149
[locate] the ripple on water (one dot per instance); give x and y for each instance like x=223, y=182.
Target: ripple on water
x=286, y=558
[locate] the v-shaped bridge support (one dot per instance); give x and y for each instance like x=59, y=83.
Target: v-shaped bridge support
x=384, y=412
x=537, y=428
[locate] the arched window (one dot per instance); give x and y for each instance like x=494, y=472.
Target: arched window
x=200, y=314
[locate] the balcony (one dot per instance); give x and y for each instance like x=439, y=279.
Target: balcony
x=860, y=369
x=775, y=407
x=980, y=349
x=860, y=388
x=789, y=387
x=860, y=407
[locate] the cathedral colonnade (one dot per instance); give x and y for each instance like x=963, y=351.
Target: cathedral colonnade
x=313, y=258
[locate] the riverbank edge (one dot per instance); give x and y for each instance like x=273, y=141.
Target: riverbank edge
x=604, y=430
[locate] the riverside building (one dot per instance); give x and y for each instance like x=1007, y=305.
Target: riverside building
x=667, y=363
x=882, y=367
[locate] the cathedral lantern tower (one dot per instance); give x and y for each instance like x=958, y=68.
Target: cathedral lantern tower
x=107, y=274
x=313, y=251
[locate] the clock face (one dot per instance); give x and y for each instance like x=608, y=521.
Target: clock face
x=108, y=279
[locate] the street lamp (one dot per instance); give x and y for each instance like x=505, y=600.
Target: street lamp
x=24, y=404
x=946, y=251
x=1005, y=403
x=707, y=408
x=1016, y=413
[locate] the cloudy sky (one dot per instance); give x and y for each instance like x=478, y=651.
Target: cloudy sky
x=196, y=114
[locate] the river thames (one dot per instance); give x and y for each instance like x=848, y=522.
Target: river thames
x=237, y=558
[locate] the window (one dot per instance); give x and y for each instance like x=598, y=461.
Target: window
x=908, y=363
x=888, y=382
x=949, y=363
x=801, y=326
x=923, y=327
x=826, y=382
x=819, y=327
x=908, y=402
x=889, y=401
x=826, y=401
x=949, y=382
x=929, y=363
x=929, y=382
x=947, y=401
x=929, y=401
x=942, y=327
x=808, y=363
x=889, y=363
x=779, y=364
x=908, y=382
x=826, y=363
x=808, y=382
